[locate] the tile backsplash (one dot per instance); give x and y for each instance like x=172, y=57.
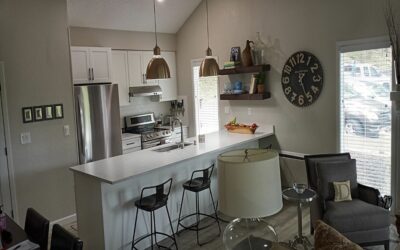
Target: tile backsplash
x=140, y=105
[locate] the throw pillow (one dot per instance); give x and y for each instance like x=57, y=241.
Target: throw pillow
x=328, y=172
x=342, y=191
x=327, y=238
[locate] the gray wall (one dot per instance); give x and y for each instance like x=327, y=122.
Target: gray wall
x=34, y=47
x=119, y=39
x=286, y=26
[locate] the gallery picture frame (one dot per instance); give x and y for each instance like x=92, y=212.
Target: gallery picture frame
x=48, y=112
x=58, y=111
x=27, y=114
x=38, y=113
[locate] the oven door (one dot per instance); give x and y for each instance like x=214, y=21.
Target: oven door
x=151, y=144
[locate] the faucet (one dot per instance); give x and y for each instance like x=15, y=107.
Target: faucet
x=176, y=119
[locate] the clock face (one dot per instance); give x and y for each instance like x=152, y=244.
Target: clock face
x=302, y=79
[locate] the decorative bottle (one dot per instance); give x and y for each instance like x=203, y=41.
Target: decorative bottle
x=259, y=51
x=247, y=59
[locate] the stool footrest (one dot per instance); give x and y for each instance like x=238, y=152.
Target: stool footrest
x=155, y=233
x=194, y=226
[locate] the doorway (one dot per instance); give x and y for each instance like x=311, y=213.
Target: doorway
x=6, y=200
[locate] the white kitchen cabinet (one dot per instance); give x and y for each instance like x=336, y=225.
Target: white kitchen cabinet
x=135, y=65
x=91, y=64
x=169, y=86
x=136, y=75
x=120, y=75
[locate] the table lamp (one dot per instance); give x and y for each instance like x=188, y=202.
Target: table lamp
x=249, y=186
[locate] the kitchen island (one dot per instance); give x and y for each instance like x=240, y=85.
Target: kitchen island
x=105, y=190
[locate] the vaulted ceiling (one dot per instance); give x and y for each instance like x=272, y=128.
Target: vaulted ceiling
x=133, y=15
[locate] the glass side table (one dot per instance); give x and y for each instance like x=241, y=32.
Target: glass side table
x=307, y=196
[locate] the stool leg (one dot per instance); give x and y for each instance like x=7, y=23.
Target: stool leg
x=180, y=212
x=197, y=218
x=155, y=229
x=215, y=210
x=134, y=229
x=172, y=229
x=151, y=230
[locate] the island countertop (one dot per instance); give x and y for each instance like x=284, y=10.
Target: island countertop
x=122, y=167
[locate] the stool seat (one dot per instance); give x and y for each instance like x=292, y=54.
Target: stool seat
x=152, y=202
x=197, y=184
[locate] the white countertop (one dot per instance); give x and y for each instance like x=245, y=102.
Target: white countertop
x=122, y=167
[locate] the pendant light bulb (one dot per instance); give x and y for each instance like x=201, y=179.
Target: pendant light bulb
x=209, y=66
x=157, y=67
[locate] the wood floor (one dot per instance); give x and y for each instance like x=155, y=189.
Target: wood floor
x=285, y=224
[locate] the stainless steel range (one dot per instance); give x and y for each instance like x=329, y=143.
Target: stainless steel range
x=145, y=125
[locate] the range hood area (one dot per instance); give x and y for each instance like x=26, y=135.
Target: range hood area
x=152, y=90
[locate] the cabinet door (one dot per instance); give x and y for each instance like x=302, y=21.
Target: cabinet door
x=100, y=61
x=80, y=65
x=145, y=59
x=120, y=75
x=169, y=86
x=134, y=69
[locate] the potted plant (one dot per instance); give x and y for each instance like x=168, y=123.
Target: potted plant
x=261, y=82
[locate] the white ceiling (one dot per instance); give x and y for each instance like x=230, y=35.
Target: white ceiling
x=134, y=15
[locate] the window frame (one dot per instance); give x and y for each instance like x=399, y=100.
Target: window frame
x=193, y=63
x=357, y=45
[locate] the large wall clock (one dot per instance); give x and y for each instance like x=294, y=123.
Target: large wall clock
x=302, y=79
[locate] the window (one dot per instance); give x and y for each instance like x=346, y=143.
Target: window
x=206, y=101
x=365, y=114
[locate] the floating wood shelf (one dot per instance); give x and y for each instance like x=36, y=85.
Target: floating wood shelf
x=244, y=70
x=262, y=96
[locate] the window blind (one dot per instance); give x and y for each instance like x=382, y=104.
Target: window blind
x=365, y=114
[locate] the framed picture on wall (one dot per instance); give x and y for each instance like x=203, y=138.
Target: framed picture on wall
x=48, y=112
x=58, y=111
x=27, y=114
x=235, y=54
x=38, y=113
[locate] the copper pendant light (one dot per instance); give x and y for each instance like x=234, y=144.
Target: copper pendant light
x=209, y=66
x=157, y=67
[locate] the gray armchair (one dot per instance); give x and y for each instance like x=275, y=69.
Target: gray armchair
x=361, y=219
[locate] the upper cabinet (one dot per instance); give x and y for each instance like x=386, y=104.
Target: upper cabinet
x=91, y=64
x=120, y=75
x=169, y=86
x=129, y=70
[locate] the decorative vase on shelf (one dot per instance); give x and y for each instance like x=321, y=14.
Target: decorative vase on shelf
x=247, y=59
x=259, y=51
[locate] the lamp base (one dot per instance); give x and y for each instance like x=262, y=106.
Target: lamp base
x=249, y=234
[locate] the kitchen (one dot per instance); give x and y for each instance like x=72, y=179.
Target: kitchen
x=74, y=42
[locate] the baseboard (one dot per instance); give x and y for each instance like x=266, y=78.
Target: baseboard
x=63, y=221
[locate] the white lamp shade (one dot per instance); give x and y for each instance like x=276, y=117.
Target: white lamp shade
x=249, y=188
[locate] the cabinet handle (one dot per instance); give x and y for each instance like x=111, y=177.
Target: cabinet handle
x=130, y=143
x=144, y=79
x=90, y=74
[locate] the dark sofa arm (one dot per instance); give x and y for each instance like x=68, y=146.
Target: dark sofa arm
x=368, y=194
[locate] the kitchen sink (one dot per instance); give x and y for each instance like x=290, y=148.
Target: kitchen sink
x=172, y=147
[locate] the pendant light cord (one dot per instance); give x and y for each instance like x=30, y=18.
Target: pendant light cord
x=155, y=21
x=208, y=32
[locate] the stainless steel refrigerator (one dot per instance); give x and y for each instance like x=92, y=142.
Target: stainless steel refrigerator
x=98, y=121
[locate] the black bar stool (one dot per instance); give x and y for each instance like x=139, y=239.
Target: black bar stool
x=197, y=185
x=150, y=204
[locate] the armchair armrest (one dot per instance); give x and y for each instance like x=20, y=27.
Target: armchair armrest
x=368, y=194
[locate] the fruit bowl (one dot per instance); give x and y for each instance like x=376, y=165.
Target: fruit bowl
x=241, y=129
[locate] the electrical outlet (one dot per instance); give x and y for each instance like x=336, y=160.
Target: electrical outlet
x=249, y=111
x=66, y=130
x=226, y=109
x=26, y=138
